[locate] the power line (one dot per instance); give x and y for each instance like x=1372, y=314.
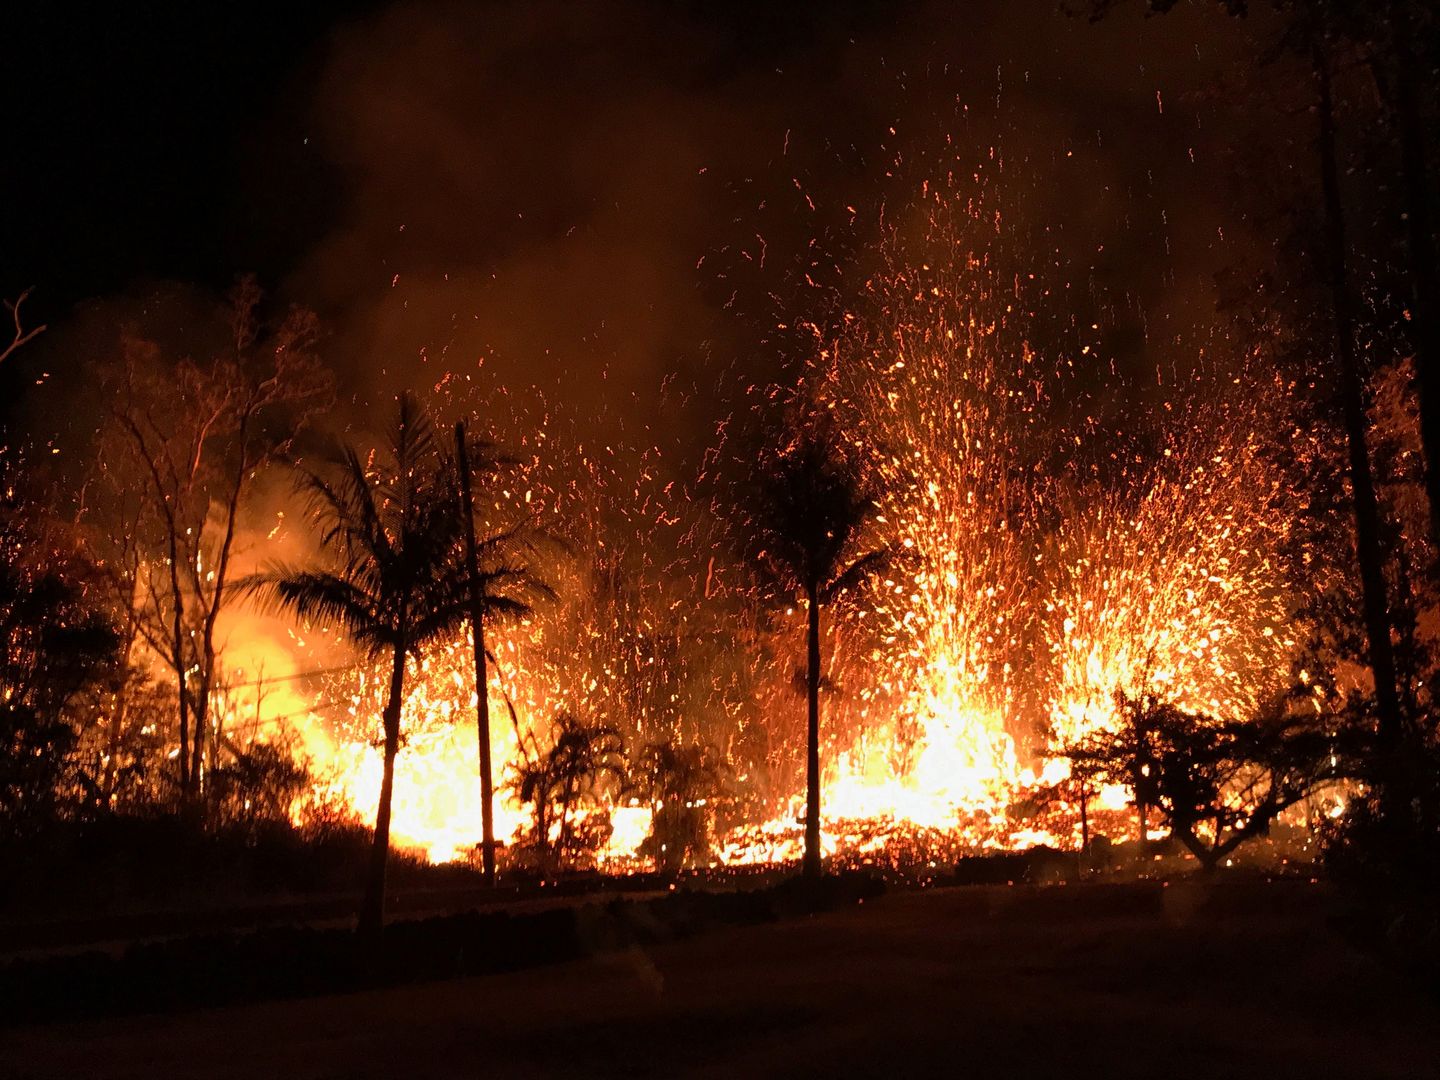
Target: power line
x=291, y=678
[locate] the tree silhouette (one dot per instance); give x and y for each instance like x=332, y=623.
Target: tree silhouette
x=581, y=758
x=58, y=644
x=1215, y=784
x=396, y=582
x=808, y=509
x=192, y=438
x=679, y=780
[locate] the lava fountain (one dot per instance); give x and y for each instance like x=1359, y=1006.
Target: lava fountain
x=1047, y=565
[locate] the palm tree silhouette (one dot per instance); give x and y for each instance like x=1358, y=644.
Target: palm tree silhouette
x=809, y=506
x=396, y=580
x=581, y=759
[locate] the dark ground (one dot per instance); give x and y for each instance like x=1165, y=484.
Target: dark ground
x=1242, y=981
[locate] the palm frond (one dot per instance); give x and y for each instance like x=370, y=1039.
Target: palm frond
x=864, y=569
x=807, y=506
x=318, y=596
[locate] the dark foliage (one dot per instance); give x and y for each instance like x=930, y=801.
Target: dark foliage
x=1385, y=852
x=34, y=763
x=1215, y=784
x=56, y=642
x=393, y=536
x=257, y=786
x=807, y=515
x=104, y=865
x=1038, y=866
x=682, y=784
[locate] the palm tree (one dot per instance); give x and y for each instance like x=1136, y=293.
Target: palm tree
x=581, y=759
x=396, y=580
x=809, y=507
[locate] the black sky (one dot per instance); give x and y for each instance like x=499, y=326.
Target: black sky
x=129, y=125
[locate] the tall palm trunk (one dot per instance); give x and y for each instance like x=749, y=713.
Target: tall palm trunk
x=1369, y=552
x=482, y=682
x=812, y=738
x=482, y=735
x=372, y=910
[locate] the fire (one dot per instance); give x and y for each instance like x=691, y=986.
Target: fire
x=1047, y=563
x=1171, y=584
x=436, y=802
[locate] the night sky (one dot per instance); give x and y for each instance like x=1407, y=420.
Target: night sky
x=140, y=132
x=578, y=193
x=130, y=135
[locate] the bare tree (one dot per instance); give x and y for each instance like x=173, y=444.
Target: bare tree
x=199, y=434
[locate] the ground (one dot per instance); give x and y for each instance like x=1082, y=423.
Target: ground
x=1063, y=982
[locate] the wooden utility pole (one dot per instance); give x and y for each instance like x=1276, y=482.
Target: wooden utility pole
x=482, y=682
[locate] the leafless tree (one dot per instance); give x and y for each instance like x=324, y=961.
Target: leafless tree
x=190, y=440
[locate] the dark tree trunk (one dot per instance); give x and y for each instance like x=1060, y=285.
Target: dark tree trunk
x=482, y=682
x=542, y=826
x=1420, y=245
x=372, y=910
x=562, y=845
x=812, y=738
x=1368, y=549
x=177, y=645
x=206, y=749
x=1142, y=759
x=111, y=779
x=200, y=739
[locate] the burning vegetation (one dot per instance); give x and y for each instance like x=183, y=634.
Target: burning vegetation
x=990, y=585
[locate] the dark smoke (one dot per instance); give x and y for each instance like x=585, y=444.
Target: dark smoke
x=579, y=196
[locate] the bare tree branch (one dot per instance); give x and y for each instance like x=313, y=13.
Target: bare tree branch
x=21, y=335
